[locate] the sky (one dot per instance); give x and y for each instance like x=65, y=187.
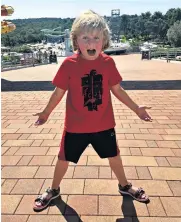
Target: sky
x=72, y=8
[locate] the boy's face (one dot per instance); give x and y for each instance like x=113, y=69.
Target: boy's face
x=90, y=44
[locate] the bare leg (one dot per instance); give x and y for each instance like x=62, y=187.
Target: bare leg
x=117, y=167
x=59, y=172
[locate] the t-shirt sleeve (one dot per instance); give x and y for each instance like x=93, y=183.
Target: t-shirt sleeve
x=62, y=76
x=114, y=75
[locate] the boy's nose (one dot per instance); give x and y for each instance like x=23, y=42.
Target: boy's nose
x=90, y=42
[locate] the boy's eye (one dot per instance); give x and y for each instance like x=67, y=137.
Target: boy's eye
x=85, y=37
x=96, y=38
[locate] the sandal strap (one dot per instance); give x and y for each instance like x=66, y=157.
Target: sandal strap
x=42, y=198
x=139, y=192
x=126, y=187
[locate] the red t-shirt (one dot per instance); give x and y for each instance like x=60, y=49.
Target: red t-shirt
x=88, y=104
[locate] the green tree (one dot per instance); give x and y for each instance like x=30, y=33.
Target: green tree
x=174, y=34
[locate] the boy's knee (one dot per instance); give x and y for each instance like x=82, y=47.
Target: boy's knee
x=115, y=158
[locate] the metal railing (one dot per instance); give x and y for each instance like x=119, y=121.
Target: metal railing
x=166, y=54
x=9, y=62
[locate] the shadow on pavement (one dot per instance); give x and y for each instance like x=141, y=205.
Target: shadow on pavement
x=7, y=85
x=66, y=211
x=129, y=211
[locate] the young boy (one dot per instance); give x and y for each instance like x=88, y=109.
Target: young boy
x=88, y=76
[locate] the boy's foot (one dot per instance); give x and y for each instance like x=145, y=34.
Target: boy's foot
x=137, y=193
x=42, y=201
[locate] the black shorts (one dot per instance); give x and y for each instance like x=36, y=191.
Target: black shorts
x=73, y=144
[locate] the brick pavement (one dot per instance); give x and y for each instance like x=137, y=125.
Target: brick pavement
x=151, y=152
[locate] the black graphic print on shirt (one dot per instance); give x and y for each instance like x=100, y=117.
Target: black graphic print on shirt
x=92, y=90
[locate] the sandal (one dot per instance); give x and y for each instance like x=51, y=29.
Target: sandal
x=139, y=195
x=44, y=200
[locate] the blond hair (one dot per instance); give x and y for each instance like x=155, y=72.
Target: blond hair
x=89, y=21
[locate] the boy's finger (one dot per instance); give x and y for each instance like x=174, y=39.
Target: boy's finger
x=36, y=114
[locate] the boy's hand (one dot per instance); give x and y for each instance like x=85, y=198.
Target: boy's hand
x=142, y=114
x=42, y=118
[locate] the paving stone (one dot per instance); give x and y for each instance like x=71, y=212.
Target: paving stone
x=117, y=205
x=138, y=161
x=177, y=152
x=41, y=136
x=165, y=173
x=14, y=218
x=167, y=144
x=18, y=143
x=41, y=160
x=151, y=143
x=130, y=173
x=2, y=181
x=132, y=143
x=124, y=151
x=175, y=186
x=28, y=186
x=143, y=173
x=155, y=207
x=11, y=136
x=53, y=151
x=32, y=151
x=148, y=137
x=105, y=172
x=17, y=172
x=102, y=187
x=173, y=131
x=4, y=149
x=172, y=205
x=171, y=137
x=36, y=143
x=174, y=161
x=82, y=204
x=10, y=160
x=86, y=172
x=129, y=136
x=97, y=161
x=157, y=219
x=135, y=152
x=51, y=143
x=9, y=203
x=48, y=172
x=178, y=143
x=8, y=186
x=11, y=151
x=52, y=218
x=24, y=136
x=156, y=152
x=105, y=219
x=5, y=130
x=162, y=161
x=67, y=186
x=24, y=161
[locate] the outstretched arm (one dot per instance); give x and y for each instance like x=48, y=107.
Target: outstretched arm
x=121, y=94
x=54, y=100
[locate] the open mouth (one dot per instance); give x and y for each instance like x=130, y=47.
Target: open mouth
x=91, y=52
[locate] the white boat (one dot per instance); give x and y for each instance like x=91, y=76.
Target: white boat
x=147, y=46
x=117, y=48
